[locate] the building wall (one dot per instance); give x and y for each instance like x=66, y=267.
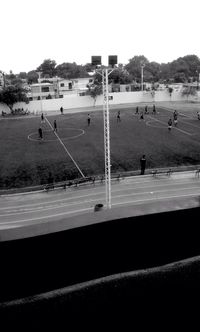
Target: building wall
x=74, y=101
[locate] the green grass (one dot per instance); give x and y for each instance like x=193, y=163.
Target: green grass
x=27, y=162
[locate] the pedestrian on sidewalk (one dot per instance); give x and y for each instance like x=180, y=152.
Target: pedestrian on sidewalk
x=143, y=164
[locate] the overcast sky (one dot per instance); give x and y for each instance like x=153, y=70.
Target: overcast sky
x=73, y=30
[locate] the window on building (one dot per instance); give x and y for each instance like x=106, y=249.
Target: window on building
x=60, y=96
x=70, y=85
x=45, y=88
x=62, y=85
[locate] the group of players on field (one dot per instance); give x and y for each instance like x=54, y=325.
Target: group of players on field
x=146, y=111
x=137, y=112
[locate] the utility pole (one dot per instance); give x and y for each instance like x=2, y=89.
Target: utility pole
x=105, y=72
x=39, y=74
x=142, y=74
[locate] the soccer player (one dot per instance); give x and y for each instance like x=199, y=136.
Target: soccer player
x=42, y=118
x=40, y=133
x=154, y=109
x=175, y=119
x=146, y=110
x=55, y=126
x=141, y=116
x=137, y=110
x=61, y=110
x=88, y=119
x=170, y=124
x=118, y=117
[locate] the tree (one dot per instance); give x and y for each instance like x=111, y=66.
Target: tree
x=69, y=70
x=189, y=91
x=180, y=77
x=170, y=89
x=47, y=68
x=188, y=66
x=120, y=76
x=32, y=77
x=95, y=88
x=12, y=94
x=22, y=75
x=152, y=71
x=134, y=66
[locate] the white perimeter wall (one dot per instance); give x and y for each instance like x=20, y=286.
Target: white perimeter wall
x=74, y=101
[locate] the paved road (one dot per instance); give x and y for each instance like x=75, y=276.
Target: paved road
x=135, y=195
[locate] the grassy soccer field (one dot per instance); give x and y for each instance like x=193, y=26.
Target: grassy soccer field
x=26, y=160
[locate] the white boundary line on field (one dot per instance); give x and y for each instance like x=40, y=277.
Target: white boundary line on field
x=65, y=148
x=184, y=115
x=183, y=131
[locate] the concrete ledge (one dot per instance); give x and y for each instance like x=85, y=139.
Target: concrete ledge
x=141, y=292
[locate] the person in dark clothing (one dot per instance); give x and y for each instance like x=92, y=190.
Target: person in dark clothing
x=137, y=110
x=40, y=133
x=141, y=116
x=118, y=117
x=170, y=124
x=154, y=109
x=146, y=110
x=175, y=119
x=42, y=118
x=55, y=126
x=143, y=164
x=88, y=119
x=61, y=110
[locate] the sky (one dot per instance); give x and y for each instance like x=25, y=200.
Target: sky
x=74, y=30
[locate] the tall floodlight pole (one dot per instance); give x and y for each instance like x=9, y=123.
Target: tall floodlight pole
x=106, y=136
x=105, y=73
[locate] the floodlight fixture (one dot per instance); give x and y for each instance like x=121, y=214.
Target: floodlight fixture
x=112, y=60
x=96, y=60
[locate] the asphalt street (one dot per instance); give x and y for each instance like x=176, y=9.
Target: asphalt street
x=130, y=196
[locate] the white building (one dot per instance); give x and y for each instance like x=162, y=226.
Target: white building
x=73, y=86
x=56, y=87
x=42, y=91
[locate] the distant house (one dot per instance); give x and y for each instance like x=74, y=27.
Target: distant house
x=42, y=91
x=56, y=87
x=76, y=85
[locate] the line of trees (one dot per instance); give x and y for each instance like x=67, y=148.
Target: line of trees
x=181, y=70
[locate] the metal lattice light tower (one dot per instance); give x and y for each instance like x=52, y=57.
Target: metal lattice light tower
x=105, y=73
x=106, y=137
